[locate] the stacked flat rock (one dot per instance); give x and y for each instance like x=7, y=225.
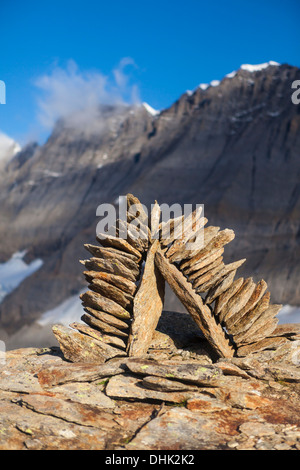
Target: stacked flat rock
x=122, y=307
x=126, y=285
x=235, y=315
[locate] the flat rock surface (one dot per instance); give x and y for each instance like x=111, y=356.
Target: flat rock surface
x=156, y=402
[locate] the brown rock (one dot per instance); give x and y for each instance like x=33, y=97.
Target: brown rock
x=102, y=326
x=170, y=230
x=107, y=318
x=130, y=261
x=108, y=339
x=226, y=295
x=253, y=315
x=189, y=245
x=73, y=412
x=111, y=267
x=237, y=322
x=203, y=264
x=237, y=301
x=197, y=374
x=165, y=385
x=222, y=287
x=51, y=376
x=127, y=387
x=136, y=209
x=78, y=347
x=219, y=276
x=119, y=243
x=210, y=234
x=147, y=308
x=119, y=281
x=287, y=329
x=266, y=343
x=200, y=313
x=155, y=220
x=204, y=278
x=263, y=324
x=112, y=292
x=98, y=302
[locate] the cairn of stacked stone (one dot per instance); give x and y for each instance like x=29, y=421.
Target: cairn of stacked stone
x=126, y=288
x=235, y=315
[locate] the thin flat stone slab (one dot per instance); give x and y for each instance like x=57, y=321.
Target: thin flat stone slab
x=200, y=313
x=199, y=280
x=170, y=230
x=112, y=292
x=107, y=318
x=197, y=374
x=210, y=233
x=119, y=243
x=119, y=281
x=130, y=261
x=165, y=385
x=203, y=264
x=53, y=375
x=287, y=329
x=190, y=225
x=285, y=372
x=220, y=288
x=241, y=330
x=136, y=238
x=238, y=301
x=136, y=208
x=72, y=412
x=98, y=302
x=237, y=321
x=131, y=388
x=77, y=347
x=262, y=327
x=97, y=323
x=147, y=307
x=110, y=266
x=189, y=244
x=266, y=343
x=218, y=240
x=108, y=339
x=219, y=276
x=155, y=220
x=265, y=328
x=226, y=295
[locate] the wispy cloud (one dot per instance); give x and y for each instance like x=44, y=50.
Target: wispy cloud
x=68, y=92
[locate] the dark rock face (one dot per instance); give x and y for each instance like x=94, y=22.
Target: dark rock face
x=233, y=147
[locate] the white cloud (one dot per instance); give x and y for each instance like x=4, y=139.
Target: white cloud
x=74, y=94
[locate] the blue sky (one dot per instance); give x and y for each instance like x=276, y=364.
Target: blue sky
x=52, y=52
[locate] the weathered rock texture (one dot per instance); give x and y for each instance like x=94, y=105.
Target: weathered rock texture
x=126, y=282
x=176, y=397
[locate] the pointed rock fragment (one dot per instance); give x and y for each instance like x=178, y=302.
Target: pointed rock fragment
x=147, y=307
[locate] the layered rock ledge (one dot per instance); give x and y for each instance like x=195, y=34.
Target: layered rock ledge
x=177, y=396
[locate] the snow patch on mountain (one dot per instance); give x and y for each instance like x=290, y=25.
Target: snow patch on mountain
x=8, y=148
x=258, y=67
x=14, y=271
x=151, y=110
x=70, y=310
